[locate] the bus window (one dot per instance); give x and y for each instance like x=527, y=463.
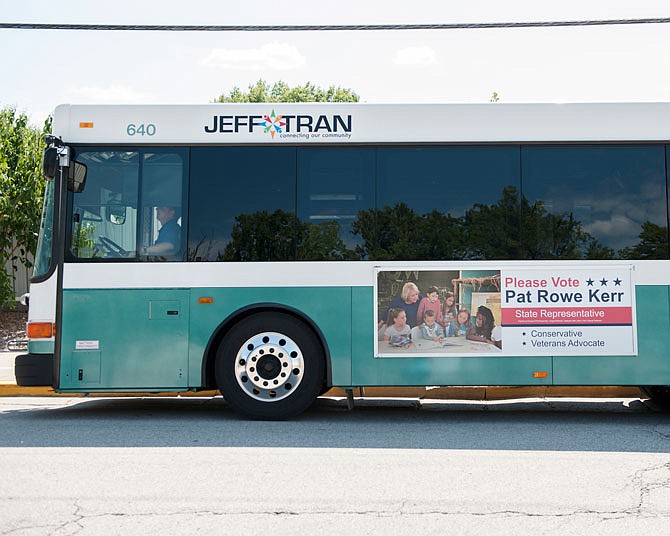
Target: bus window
x=104, y=214
x=611, y=193
x=163, y=221
x=430, y=198
x=242, y=204
x=334, y=184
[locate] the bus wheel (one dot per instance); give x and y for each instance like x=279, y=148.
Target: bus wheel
x=659, y=394
x=270, y=366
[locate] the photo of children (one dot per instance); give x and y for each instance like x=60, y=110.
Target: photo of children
x=438, y=313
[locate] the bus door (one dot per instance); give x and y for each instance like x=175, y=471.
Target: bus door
x=120, y=328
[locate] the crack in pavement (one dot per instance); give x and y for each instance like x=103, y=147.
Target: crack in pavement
x=645, y=488
x=73, y=526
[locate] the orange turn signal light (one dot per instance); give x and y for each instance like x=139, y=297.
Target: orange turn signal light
x=539, y=374
x=206, y=300
x=40, y=330
x=85, y=125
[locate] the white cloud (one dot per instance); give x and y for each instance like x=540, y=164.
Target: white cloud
x=415, y=56
x=276, y=56
x=117, y=94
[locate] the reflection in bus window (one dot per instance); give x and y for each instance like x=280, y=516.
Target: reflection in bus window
x=242, y=203
x=334, y=185
x=612, y=191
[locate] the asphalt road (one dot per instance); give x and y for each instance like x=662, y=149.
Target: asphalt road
x=176, y=466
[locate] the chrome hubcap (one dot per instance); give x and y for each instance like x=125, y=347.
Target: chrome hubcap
x=269, y=366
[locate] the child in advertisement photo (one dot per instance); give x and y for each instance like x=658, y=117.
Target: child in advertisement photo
x=450, y=309
x=430, y=303
x=430, y=329
x=397, y=332
x=484, y=329
x=460, y=326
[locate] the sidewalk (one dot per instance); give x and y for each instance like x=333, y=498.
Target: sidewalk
x=7, y=380
x=7, y=366
x=8, y=387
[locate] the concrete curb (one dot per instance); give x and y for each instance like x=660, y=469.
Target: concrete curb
x=427, y=393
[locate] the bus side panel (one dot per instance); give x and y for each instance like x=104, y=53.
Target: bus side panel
x=328, y=307
x=124, y=339
x=407, y=371
x=652, y=364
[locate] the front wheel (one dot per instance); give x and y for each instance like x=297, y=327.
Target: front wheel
x=270, y=366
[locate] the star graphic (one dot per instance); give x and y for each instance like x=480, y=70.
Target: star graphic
x=617, y=282
x=273, y=123
x=603, y=282
x=589, y=282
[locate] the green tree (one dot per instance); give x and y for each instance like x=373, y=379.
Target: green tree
x=21, y=191
x=399, y=233
x=280, y=91
x=281, y=236
x=515, y=228
x=322, y=242
x=494, y=231
x=388, y=234
x=653, y=243
x=262, y=236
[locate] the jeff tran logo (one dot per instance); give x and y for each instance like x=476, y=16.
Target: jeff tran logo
x=304, y=126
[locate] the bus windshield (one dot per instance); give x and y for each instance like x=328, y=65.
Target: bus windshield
x=44, y=253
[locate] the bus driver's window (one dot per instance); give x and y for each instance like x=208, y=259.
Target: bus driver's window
x=104, y=214
x=162, y=221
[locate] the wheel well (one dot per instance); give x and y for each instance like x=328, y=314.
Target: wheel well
x=209, y=358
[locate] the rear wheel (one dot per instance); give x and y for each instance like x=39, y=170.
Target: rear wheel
x=660, y=394
x=270, y=366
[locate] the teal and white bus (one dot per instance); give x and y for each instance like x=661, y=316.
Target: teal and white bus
x=272, y=251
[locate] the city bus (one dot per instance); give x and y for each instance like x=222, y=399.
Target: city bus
x=273, y=251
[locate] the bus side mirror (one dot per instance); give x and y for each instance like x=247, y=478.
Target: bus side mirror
x=50, y=162
x=76, y=178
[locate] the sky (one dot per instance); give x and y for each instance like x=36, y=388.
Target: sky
x=40, y=69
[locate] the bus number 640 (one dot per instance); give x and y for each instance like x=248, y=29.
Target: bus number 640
x=141, y=130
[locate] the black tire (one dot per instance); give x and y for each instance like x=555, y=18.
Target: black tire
x=659, y=394
x=270, y=366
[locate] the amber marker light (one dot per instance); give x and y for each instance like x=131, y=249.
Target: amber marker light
x=40, y=330
x=85, y=125
x=539, y=374
x=205, y=300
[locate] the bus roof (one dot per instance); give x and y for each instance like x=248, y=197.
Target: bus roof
x=351, y=123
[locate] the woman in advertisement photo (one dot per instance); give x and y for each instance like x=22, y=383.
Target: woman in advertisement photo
x=408, y=301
